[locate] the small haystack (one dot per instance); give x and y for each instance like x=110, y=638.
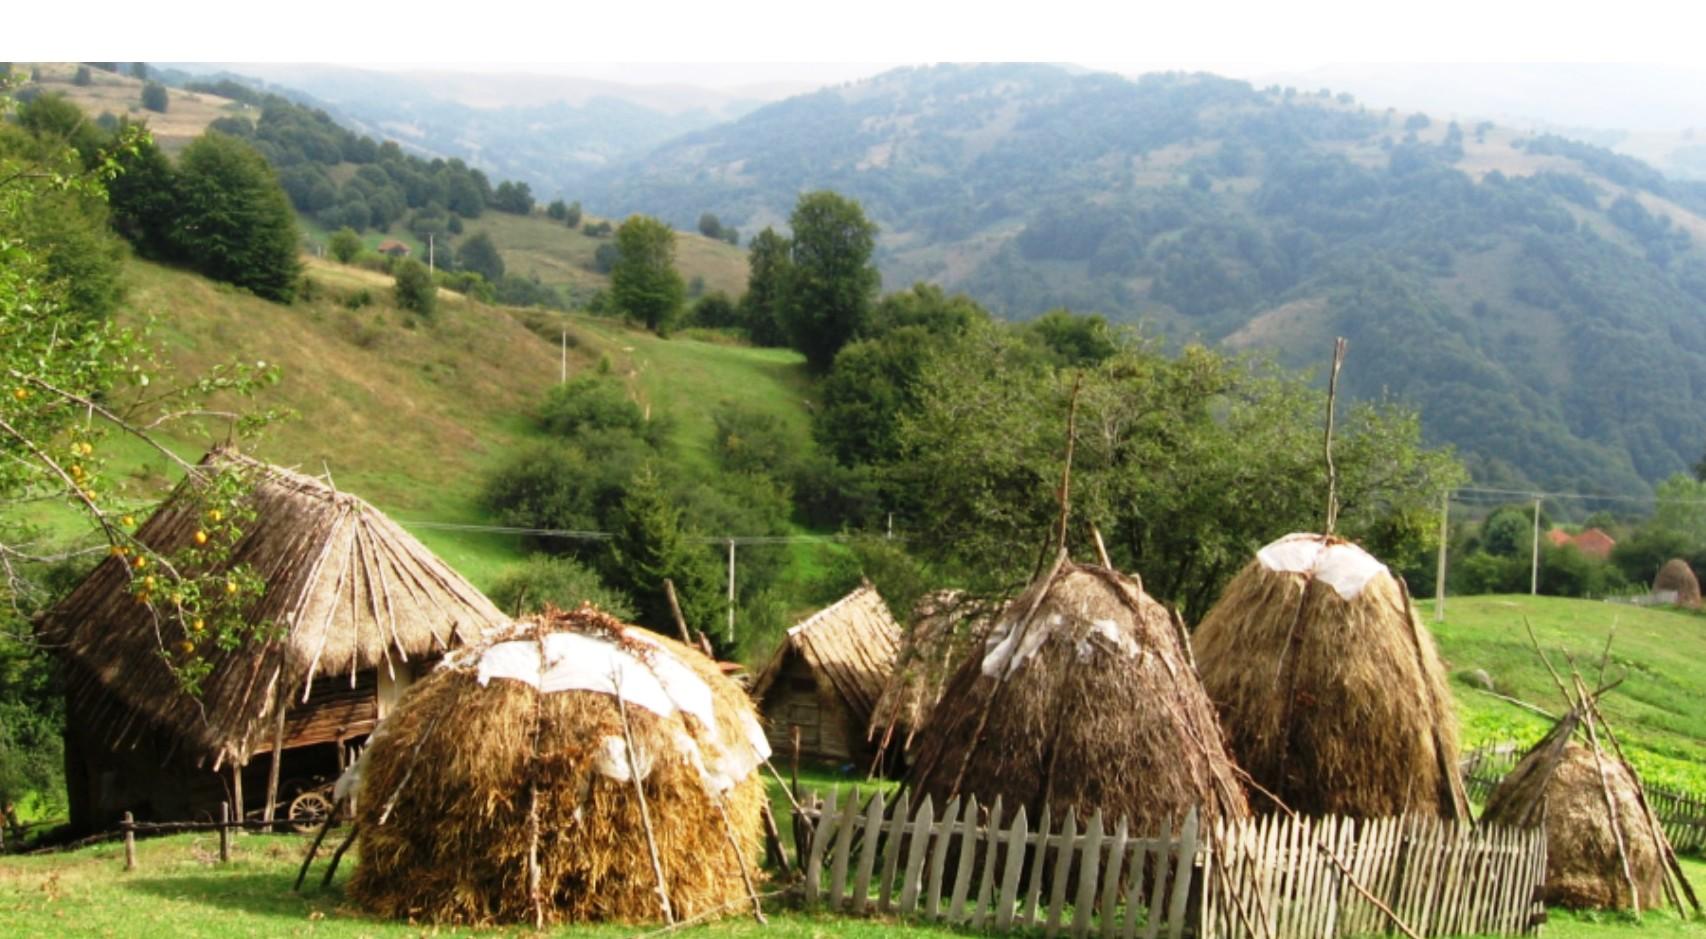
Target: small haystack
x=1557, y=784
x=1677, y=584
x=509, y=766
x=1330, y=691
x=946, y=626
x=1083, y=696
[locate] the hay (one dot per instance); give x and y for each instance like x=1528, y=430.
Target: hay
x=946, y=626
x=1330, y=691
x=1557, y=784
x=455, y=848
x=1678, y=578
x=1084, y=697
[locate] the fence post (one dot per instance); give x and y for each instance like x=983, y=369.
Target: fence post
x=129, y=827
x=224, y=832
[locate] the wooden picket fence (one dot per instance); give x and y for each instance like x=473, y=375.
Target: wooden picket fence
x=872, y=857
x=1284, y=878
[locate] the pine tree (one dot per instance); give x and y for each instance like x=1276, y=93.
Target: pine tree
x=650, y=546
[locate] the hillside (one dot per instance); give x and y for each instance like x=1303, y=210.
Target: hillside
x=533, y=245
x=1542, y=302
x=412, y=415
x=1657, y=711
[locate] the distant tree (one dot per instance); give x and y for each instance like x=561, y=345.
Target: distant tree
x=709, y=226
x=515, y=198
x=1417, y=121
x=139, y=71
x=83, y=77
x=651, y=545
x=599, y=229
x=154, y=97
x=604, y=259
x=731, y=234
x=234, y=221
x=414, y=288
x=833, y=283
x=768, y=265
x=479, y=254
x=572, y=217
x=144, y=201
x=715, y=311
x=644, y=282
x=557, y=210
x=345, y=244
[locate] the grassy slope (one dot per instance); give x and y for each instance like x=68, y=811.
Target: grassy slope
x=1659, y=711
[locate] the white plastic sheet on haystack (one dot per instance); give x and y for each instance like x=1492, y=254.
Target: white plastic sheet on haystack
x=1343, y=566
x=659, y=683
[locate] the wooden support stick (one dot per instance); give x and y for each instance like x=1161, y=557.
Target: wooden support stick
x=403, y=783
x=224, y=832
x=675, y=611
x=773, y=839
x=1610, y=801
x=314, y=848
x=129, y=842
x=1333, y=471
x=1556, y=678
x=337, y=856
x=1350, y=878
x=280, y=702
x=740, y=859
x=640, y=794
x=1101, y=547
x=1666, y=850
x=533, y=875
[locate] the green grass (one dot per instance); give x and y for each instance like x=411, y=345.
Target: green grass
x=1658, y=712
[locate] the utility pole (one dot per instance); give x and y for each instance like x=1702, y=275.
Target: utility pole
x=431, y=268
x=1444, y=538
x=1534, y=557
x=731, y=591
x=563, y=377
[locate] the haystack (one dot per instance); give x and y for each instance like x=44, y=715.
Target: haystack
x=946, y=626
x=1083, y=696
x=516, y=748
x=1330, y=691
x=1677, y=582
x=1557, y=784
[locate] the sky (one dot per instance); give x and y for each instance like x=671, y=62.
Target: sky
x=738, y=42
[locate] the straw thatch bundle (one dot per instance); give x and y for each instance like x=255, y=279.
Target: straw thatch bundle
x=351, y=589
x=1558, y=784
x=1083, y=696
x=1330, y=691
x=1676, y=577
x=946, y=626
x=516, y=746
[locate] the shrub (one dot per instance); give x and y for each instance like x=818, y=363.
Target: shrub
x=345, y=244
x=154, y=97
x=415, y=290
x=559, y=581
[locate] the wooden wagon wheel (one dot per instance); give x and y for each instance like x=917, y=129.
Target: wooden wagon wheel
x=308, y=810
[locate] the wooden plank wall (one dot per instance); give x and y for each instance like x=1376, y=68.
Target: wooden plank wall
x=1297, y=878
x=987, y=869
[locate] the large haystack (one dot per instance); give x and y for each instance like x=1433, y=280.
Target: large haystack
x=1677, y=583
x=1330, y=691
x=1083, y=696
x=946, y=626
x=522, y=735
x=1558, y=784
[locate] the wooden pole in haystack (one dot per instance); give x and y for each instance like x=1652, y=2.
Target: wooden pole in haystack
x=675, y=611
x=1610, y=801
x=534, y=894
x=640, y=794
x=1327, y=445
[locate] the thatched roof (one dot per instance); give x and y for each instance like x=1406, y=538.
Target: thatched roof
x=518, y=748
x=1083, y=696
x=1676, y=580
x=946, y=625
x=1329, y=688
x=1558, y=784
x=851, y=643
x=349, y=588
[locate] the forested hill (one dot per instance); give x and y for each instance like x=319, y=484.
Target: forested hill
x=1541, y=301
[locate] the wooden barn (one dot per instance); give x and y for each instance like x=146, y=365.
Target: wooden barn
x=362, y=609
x=825, y=679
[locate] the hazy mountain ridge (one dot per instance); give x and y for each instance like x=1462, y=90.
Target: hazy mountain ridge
x=1542, y=301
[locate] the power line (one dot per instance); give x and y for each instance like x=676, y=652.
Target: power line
x=1584, y=496
x=586, y=535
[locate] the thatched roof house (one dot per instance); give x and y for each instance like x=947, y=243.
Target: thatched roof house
x=1084, y=696
x=1330, y=690
x=361, y=606
x=1559, y=784
x=511, y=764
x=1677, y=584
x=826, y=676
x=946, y=626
